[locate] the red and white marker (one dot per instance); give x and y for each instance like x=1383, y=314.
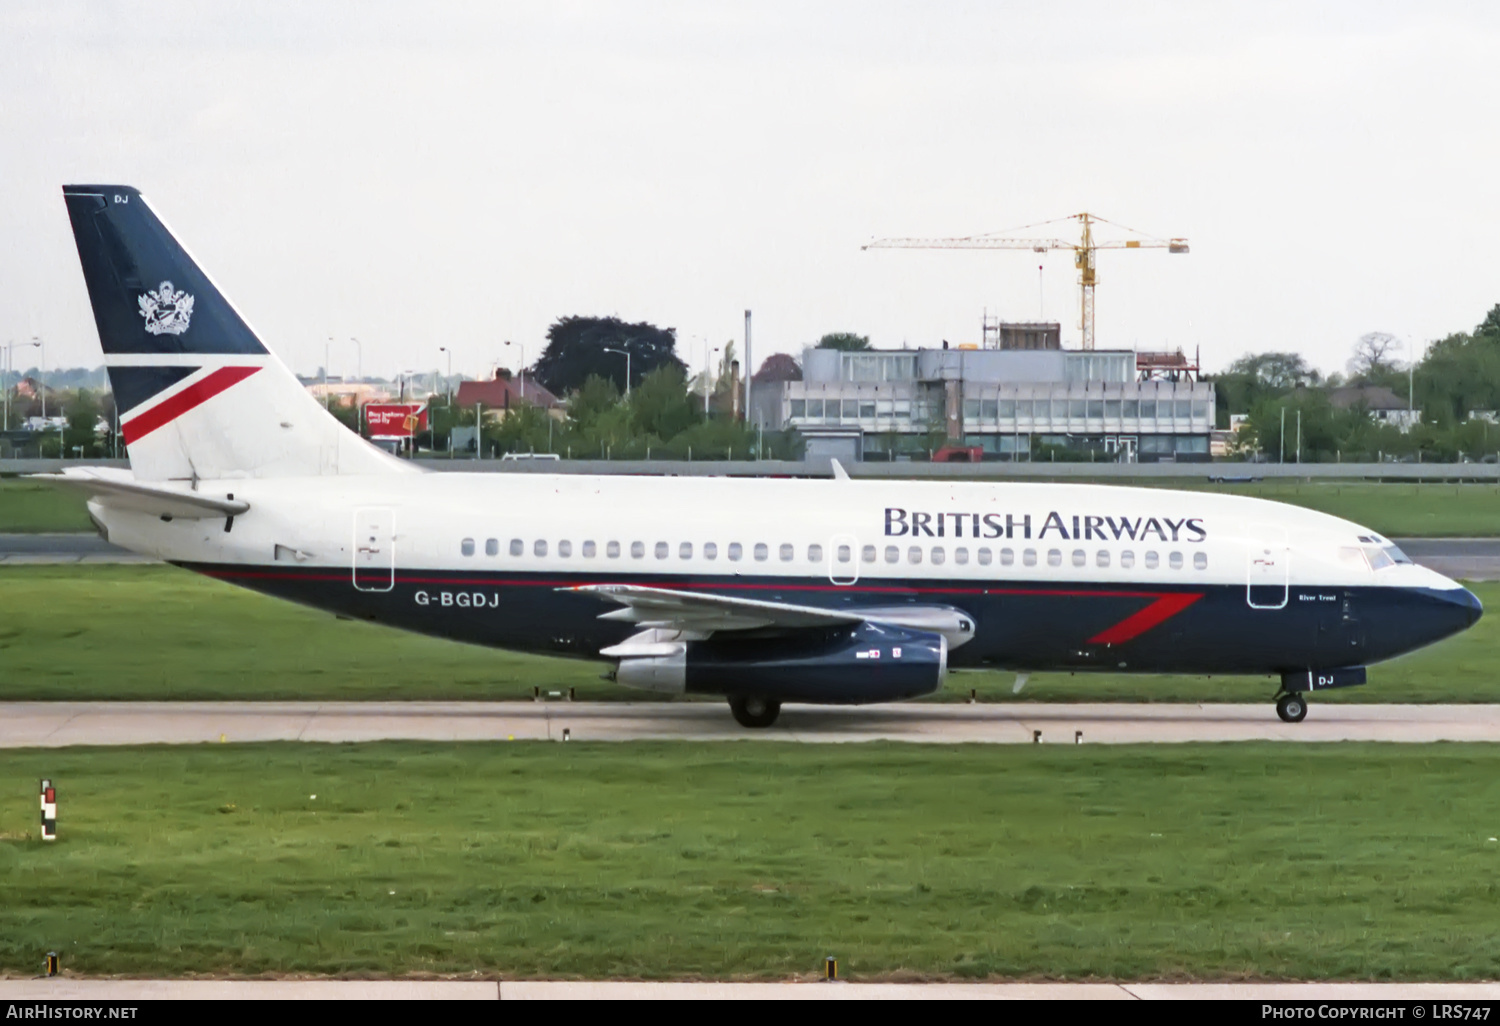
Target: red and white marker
x=49, y=811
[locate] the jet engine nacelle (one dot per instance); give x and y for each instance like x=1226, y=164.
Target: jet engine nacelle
x=853, y=665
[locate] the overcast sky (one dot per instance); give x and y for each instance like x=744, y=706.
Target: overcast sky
x=442, y=174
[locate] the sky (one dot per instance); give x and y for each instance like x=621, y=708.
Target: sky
x=452, y=176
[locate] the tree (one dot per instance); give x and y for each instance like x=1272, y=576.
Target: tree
x=576, y=349
x=1280, y=372
x=1256, y=376
x=779, y=367
x=846, y=341
x=1491, y=323
x=597, y=397
x=661, y=406
x=1374, y=358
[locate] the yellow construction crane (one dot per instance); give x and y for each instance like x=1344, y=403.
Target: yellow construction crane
x=1083, y=253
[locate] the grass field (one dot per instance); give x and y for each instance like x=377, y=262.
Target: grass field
x=27, y=507
x=152, y=632
x=755, y=860
x=1397, y=510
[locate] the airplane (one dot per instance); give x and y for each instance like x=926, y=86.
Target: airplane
x=759, y=591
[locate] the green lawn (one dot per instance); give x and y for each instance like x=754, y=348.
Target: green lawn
x=1397, y=510
x=153, y=632
x=1371, y=862
x=29, y=507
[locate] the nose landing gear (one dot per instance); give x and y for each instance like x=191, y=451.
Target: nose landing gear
x=1292, y=707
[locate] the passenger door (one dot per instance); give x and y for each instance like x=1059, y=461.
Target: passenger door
x=1267, y=567
x=374, y=549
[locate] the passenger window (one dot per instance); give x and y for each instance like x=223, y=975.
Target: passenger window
x=1101, y=558
x=565, y=549
x=467, y=546
x=637, y=550
x=736, y=550
x=1007, y=557
x=685, y=550
x=867, y=554
x=1029, y=557
x=1151, y=560
x=589, y=550
x=710, y=550
x=787, y=552
x=937, y=555
x=845, y=553
x=612, y=550
x=517, y=546
x=1080, y=558
x=539, y=547
x=960, y=555
x=1054, y=557
x=1200, y=561
x=1127, y=559
x=762, y=552
x=914, y=554
x=492, y=546
x=1175, y=559
x=662, y=550
x=985, y=556
x=815, y=553
x=892, y=554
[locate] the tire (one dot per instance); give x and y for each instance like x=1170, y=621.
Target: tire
x=1292, y=707
x=756, y=713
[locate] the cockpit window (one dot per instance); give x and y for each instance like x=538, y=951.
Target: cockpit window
x=1376, y=551
x=1382, y=556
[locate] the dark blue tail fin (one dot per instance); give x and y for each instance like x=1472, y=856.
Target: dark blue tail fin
x=149, y=295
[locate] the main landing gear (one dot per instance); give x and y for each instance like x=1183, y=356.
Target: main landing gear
x=754, y=712
x=1292, y=707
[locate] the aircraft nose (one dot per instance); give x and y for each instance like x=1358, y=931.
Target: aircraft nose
x=1467, y=605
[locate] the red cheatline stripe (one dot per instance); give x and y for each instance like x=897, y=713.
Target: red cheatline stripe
x=1133, y=626
x=194, y=395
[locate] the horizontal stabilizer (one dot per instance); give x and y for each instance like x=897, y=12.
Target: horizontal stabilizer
x=119, y=490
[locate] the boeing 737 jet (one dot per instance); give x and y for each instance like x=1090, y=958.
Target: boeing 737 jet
x=760, y=591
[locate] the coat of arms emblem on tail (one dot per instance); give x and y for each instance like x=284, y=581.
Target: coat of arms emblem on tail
x=167, y=311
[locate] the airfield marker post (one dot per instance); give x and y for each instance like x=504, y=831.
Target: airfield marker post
x=49, y=811
x=830, y=969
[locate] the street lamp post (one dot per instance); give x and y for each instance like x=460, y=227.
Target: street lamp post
x=359, y=365
x=625, y=353
x=522, y=372
x=707, y=374
x=326, y=347
x=449, y=380
x=41, y=386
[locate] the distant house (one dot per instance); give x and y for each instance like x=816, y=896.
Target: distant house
x=501, y=392
x=1383, y=405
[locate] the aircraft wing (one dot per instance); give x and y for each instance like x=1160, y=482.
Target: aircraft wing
x=700, y=613
x=119, y=490
x=696, y=611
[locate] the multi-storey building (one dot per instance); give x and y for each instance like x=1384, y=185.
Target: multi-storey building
x=1010, y=403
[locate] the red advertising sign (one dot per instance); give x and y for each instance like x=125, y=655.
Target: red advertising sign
x=388, y=421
